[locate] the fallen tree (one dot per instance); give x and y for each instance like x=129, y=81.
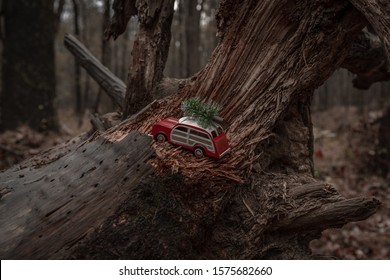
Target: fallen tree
x=261, y=201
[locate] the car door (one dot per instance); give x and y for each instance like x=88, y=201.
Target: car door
x=198, y=137
x=179, y=135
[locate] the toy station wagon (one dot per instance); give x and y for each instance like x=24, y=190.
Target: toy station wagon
x=188, y=134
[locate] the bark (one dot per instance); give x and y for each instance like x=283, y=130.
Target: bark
x=376, y=12
x=259, y=202
x=28, y=87
x=42, y=222
x=368, y=60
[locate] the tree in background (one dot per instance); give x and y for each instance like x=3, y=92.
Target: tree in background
x=77, y=70
x=28, y=68
x=106, y=47
x=188, y=47
x=189, y=13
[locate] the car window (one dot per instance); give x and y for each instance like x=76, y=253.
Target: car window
x=182, y=128
x=198, y=133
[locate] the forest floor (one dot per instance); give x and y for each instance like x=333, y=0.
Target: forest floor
x=23, y=142
x=344, y=155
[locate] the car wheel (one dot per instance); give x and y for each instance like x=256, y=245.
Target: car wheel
x=161, y=138
x=198, y=152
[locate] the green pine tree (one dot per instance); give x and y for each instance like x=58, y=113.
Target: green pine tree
x=202, y=113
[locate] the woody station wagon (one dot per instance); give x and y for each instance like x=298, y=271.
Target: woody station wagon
x=187, y=133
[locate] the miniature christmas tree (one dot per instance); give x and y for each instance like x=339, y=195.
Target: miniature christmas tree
x=203, y=113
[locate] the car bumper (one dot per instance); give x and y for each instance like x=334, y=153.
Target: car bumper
x=224, y=153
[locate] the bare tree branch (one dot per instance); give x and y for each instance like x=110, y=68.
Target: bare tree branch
x=123, y=11
x=111, y=84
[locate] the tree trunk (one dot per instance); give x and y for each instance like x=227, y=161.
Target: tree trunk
x=59, y=5
x=28, y=71
x=190, y=42
x=85, y=38
x=106, y=48
x=261, y=201
x=209, y=39
x=77, y=68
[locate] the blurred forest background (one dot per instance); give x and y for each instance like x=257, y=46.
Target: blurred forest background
x=37, y=72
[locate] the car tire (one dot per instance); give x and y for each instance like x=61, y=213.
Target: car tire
x=161, y=138
x=199, y=152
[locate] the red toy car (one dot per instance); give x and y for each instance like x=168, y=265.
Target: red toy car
x=187, y=133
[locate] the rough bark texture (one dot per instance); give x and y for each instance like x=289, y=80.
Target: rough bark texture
x=377, y=13
x=51, y=207
x=28, y=72
x=368, y=60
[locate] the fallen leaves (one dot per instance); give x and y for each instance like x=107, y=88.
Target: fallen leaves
x=345, y=142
